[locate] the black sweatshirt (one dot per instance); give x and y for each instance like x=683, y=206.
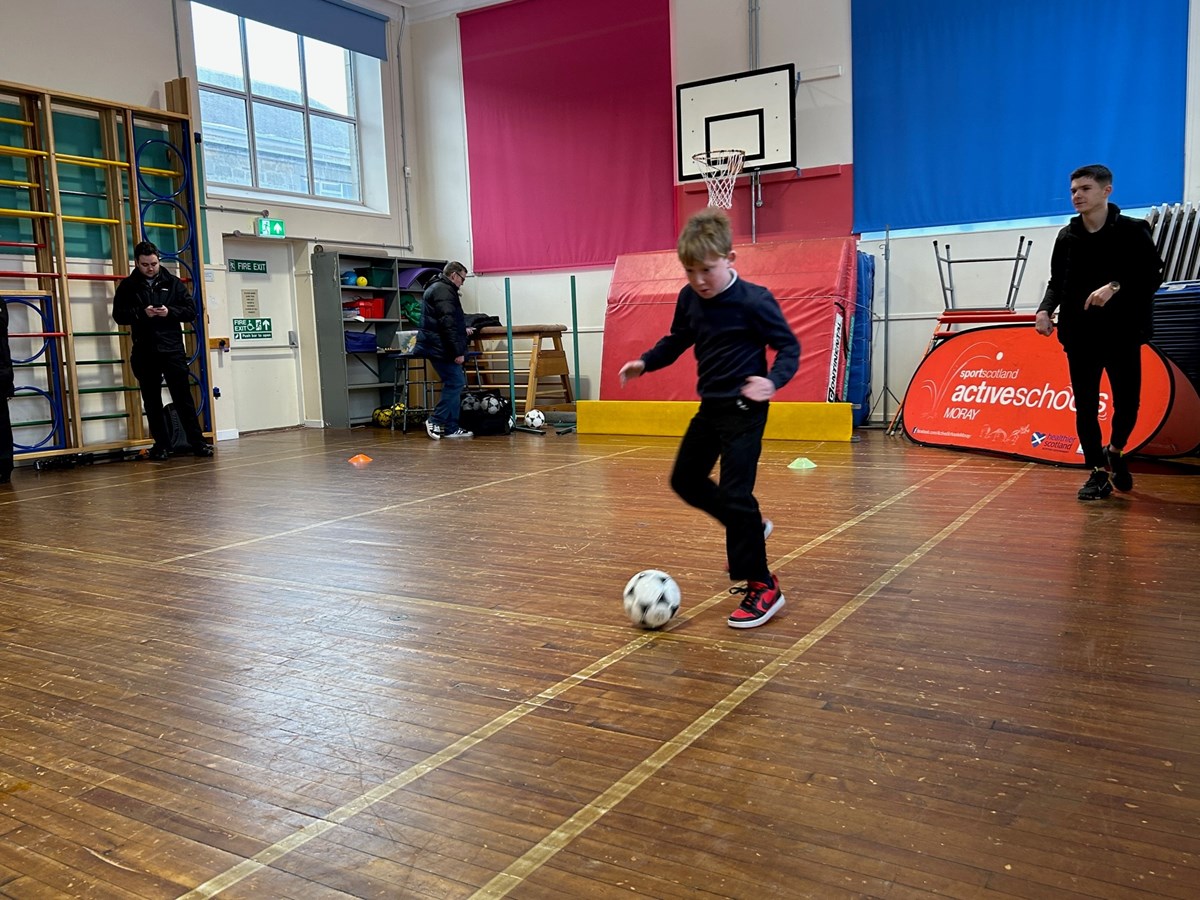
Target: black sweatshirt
x=730, y=332
x=154, y=333
x=1082, y=261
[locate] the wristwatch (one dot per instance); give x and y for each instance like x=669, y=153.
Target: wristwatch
x=1115, y=285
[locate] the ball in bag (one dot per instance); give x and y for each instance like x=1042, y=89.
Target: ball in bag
x=470, y=402
x=383, y=416
x=535, y=418
x=490, y=404
x=651, y=599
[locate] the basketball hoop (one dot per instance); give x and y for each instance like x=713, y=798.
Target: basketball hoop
x=720, y=169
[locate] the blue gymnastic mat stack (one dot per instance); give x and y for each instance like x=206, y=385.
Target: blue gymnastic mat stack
x=1177, y=326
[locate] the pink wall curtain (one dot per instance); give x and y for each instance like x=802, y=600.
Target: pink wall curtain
x=569, y=131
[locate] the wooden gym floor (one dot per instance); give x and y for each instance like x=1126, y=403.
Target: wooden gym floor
x=277, y=675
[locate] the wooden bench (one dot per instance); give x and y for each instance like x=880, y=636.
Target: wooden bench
x=539, y=365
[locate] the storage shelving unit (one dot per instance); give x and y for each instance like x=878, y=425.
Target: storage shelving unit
x=357, y=380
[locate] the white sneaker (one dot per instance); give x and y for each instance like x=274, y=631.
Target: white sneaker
x=434, y=431
x=458, y=433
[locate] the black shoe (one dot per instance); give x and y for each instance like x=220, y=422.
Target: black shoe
x=203, y=451
x=1097, y=487
x=1121, y=478
x=6, y=478
x=158, y=453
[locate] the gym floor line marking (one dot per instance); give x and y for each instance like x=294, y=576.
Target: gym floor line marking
x=265, y=857
x=156, y=563
x=671, y=632
x=539, y=619
x=828, y=535
x=538, y=855
x=117, y=480
x=392, y=506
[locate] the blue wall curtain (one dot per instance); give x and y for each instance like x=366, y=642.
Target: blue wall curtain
x=978, y=112
x=332, y=21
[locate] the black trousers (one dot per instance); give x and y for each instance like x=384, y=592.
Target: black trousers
x=1123, y=363
x=151, y=368
x=730, y=430
x=6, y=438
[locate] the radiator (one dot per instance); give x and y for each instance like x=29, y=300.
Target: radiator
x=1176, y=232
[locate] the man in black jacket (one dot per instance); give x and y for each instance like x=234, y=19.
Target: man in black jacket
x=442, y=339
x=6, y=391
x=155, y=304
x=1104, y=271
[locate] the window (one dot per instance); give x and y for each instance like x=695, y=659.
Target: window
x=280, y=112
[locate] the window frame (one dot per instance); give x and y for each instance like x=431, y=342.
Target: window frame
x=249, y=98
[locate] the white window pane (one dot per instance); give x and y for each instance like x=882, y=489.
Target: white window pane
x=335, y=158
x=280, y=156
x=225, y=138
x=327, y=74
x=274, y=57
x=218, y=48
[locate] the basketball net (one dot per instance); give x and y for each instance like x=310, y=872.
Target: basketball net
x=720, y=169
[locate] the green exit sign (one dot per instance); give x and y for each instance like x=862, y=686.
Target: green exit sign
x=272, y=228
x=253, y=266
x=251, y=329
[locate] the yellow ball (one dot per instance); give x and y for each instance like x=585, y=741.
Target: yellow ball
x=361, y=281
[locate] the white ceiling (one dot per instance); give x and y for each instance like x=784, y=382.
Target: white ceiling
x=424, y=10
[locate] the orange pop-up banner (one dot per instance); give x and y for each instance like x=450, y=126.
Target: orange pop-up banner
x=1007, y=389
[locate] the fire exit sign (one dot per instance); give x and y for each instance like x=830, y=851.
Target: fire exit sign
x=272, y=228
x=253, y=266
x=251, y=329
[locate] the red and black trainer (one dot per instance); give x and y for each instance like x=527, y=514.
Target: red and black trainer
x=760, y=603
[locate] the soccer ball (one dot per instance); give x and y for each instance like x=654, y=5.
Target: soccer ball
x=470, y=402
x=535, y=418
x=651, y=599
x=490, y=404
x=384, y=415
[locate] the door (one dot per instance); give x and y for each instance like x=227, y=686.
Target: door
x=264, y=352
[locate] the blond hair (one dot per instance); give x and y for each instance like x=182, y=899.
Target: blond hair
x=706, y=234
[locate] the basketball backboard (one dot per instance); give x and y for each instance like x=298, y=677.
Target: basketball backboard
x=751, y=111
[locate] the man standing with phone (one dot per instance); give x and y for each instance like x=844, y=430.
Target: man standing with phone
x=155, y=304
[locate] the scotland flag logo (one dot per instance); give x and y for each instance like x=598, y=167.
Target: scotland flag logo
x=1036, y=438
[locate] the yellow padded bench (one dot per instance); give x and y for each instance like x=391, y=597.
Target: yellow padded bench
x=787, y=421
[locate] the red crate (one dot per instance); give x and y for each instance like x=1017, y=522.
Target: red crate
x=367, y=307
